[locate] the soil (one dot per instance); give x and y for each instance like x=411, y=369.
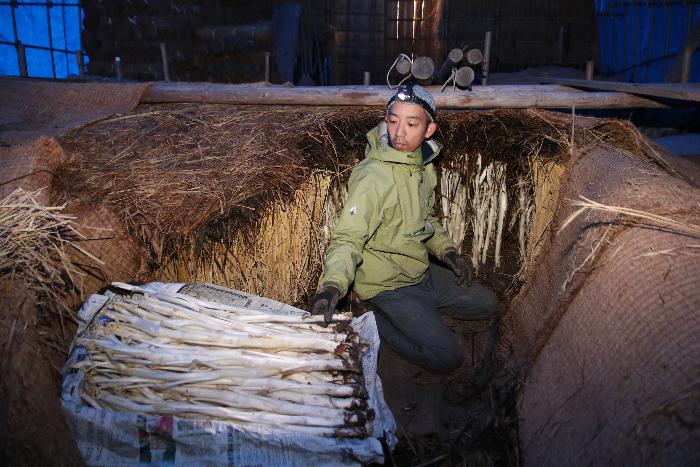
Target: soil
x=465, y=417
x=33, y=430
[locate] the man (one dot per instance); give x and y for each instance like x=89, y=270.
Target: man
x=385, y=233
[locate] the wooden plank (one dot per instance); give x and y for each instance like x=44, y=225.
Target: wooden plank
x=512, y=96
x=686, y=92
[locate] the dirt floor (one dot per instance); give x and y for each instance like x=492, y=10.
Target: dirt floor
x=33, y=430
x=452, y=419
x=466, y=417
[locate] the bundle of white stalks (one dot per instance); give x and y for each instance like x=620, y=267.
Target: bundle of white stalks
x=169, y=353
x=489, y=204
x=523, y=215
x=454, y=204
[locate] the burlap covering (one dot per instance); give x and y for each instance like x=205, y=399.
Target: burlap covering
x=606, y=331
x=32, y=113
x=34, y=108
x=30, y=165
x=35, y=111
x=33, y=430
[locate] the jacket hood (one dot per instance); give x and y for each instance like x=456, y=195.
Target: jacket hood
x=378, y=148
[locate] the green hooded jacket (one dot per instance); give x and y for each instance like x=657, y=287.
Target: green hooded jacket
x=387, y=226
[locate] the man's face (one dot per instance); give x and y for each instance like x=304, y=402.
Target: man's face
x=408, y=126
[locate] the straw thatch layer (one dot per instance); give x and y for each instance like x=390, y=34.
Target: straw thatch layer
x=234, y=194
x=179, y=174
x=38, y=247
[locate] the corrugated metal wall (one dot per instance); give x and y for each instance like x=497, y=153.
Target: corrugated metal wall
x=641, y=41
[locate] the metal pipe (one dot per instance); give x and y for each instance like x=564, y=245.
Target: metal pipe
x=267, y=67
x=38, y=47
x=686, y=63
x=13, y=5
x=48, y=23
x=81, y=64
x=164, y=60
x=563, y=32
x=21, y=59
x=38, y=3
x=487, y=59
x=590, y=69
x=366, y=78
x=118, y=69
x=65, y=37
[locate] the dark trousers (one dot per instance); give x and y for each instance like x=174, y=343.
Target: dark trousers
x=409, y=318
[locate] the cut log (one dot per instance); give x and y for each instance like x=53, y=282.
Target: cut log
x=474, y=57
x=513, y=96
x=403, y=67
x=423, y=68
x=464, y=76
x=454, y=58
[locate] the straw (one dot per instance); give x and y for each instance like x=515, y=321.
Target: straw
x=35, y=246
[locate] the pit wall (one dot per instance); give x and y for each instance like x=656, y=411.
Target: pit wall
x=604, y=332
x=33, y=430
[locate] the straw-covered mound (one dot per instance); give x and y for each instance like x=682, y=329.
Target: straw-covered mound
x=246, y=197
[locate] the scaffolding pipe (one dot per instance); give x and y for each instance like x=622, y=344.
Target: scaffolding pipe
x=487, y=59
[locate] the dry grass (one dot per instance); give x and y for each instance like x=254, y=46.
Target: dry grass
x=280, y=259
x=224, y=193
x=37, y=245
x=634, y=217
x=545, y=179
x=182, y=171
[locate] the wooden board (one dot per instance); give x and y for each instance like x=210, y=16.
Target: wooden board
x=686, y=92
x=511, y=96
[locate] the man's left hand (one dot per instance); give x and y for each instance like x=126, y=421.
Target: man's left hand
x=460, y=266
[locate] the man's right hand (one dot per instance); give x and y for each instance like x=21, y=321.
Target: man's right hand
x=460, y=265
x=325, y=302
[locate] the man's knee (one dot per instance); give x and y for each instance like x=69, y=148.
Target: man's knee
x=445, y=360
x=488, y=302
x=479, y=302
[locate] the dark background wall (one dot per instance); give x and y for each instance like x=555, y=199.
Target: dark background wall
x=337, y=40
x=526, y=33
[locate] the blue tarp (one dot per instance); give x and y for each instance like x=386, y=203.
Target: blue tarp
x=33, y=30
x=639, y=40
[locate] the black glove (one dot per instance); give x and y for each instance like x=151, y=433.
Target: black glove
x=460, y=266
x=324, y=303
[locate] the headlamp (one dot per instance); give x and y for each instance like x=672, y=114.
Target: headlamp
x=410, y=95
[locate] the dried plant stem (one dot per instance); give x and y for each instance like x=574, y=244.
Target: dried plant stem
x=281, y=258
x=637, y=216
x=489, y=206
x=502, y=207
x=454, y=204
x=35, y=245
